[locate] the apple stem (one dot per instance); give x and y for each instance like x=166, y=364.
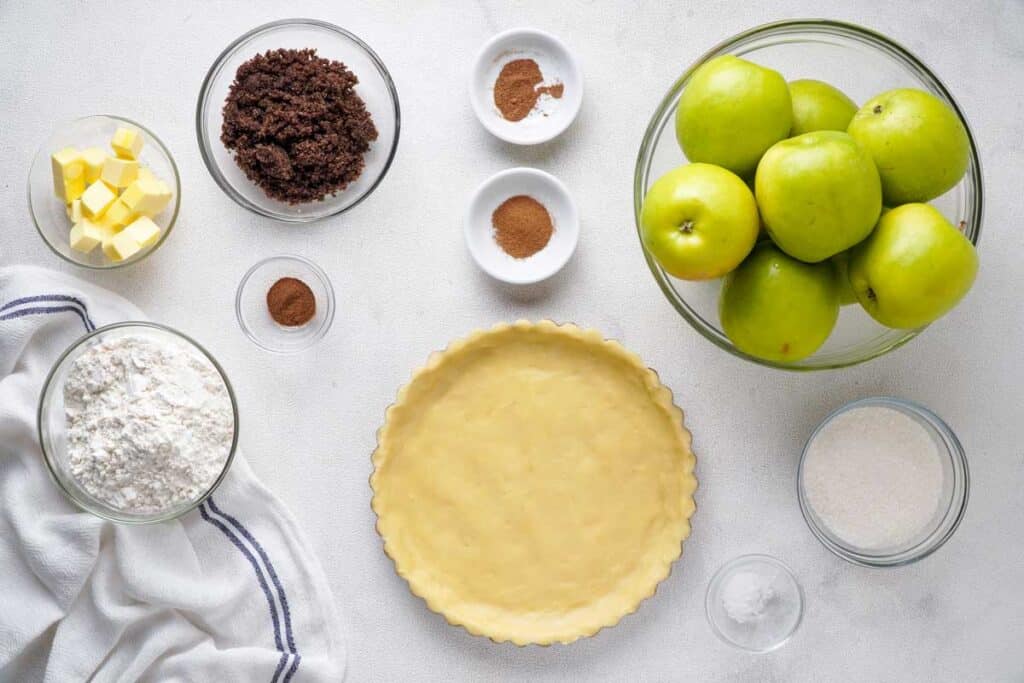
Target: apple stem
x=871, y=294
x=877, y=109
x=686, y=228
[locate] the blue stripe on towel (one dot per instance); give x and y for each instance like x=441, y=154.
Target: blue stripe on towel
x=82, y=311
x=90, y=326
x=22, y=312
x=292, y=669
x=260, y=578
x=270, y=570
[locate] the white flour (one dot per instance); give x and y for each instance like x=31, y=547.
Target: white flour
x=149, y=423
x=874, y=477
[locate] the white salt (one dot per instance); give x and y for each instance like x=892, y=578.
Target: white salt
x=745, y=596
x=873, y=476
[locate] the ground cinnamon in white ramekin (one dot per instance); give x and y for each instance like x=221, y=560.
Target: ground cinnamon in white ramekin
x=519, y=87
x=522, y=226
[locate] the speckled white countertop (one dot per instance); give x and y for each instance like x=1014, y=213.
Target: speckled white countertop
x=406, y=285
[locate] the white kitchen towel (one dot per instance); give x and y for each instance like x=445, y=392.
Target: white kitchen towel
x=228, y=592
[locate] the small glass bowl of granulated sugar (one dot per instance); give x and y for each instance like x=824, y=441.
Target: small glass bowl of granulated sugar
x=138, y=423
x=883, y=482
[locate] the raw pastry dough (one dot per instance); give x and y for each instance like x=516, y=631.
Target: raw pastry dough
x=533, y=483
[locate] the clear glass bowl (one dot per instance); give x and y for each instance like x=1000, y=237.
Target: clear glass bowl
x=862, y=64
x=331, y=42
x=49, y=213
x=952, y=503
x=51, y=422
x=254, y=316
x=778, y=619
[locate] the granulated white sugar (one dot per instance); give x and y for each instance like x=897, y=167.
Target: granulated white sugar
x=873, y=476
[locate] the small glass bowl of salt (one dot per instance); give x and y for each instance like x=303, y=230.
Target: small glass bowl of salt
x=755, y=603
x=883, y=482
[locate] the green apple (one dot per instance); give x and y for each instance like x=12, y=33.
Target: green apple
x=819, y=106
x=699, y=221
x=778, y=308
x=918, y=142
x=841, y=265
x=914, y=268
x=819, y=194
x=731, y=111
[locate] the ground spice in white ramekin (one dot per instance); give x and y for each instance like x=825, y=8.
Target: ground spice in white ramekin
x=519, y=87
x=522, y=226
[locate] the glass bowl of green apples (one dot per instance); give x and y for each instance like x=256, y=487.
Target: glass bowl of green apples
x=808, y=195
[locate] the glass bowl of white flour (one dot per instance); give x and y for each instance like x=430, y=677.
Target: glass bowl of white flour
x=138, y=423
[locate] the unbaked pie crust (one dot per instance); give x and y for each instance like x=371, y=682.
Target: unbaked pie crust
x=533, y=482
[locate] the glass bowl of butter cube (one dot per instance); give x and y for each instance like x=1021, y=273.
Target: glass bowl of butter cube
x=103, y=192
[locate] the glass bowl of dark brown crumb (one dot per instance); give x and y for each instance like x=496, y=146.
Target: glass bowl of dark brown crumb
x=298, y=163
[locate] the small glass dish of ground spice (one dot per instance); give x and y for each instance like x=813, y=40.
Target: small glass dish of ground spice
x=526, y=86
x=285, y=304
x=298, y=120
x=521, y=226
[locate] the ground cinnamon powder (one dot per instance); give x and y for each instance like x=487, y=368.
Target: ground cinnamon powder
x=516, y=91
x=522, y=226
x=291, y=302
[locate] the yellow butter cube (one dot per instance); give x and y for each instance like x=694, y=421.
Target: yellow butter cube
x=165, y=190
x=86, y=235
x=68, y=174
x=74, y=188
x=144, y=231
x=75, y=210
x=127, y=143
x=107, y=247
x=119, y=173
x=121, y=246
x=96, y=199
x=92, y=160
x=117, y=216
x=146, y=197
x=144, y=172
